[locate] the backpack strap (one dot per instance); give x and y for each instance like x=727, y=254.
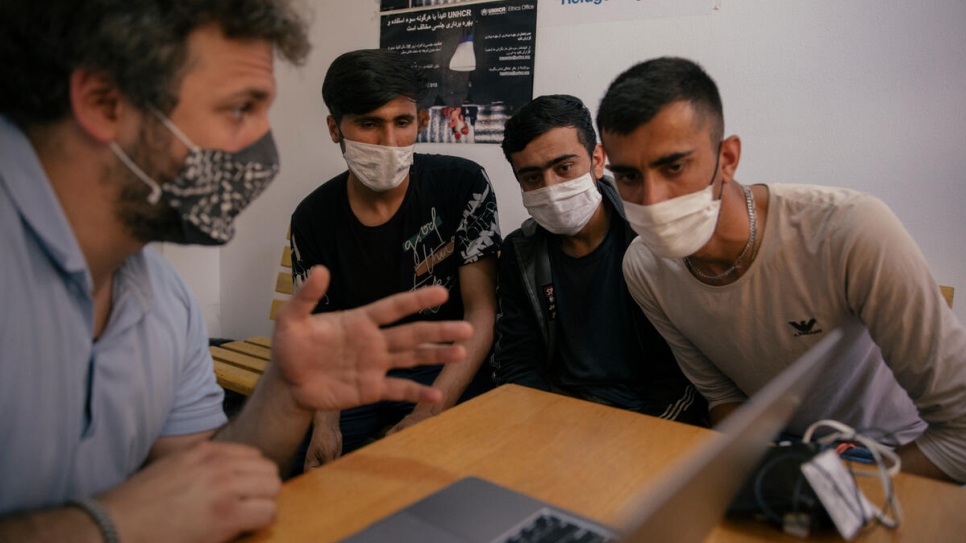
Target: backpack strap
x=533, y=257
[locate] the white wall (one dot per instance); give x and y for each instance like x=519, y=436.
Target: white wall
x=868, y=94
x=200, y=267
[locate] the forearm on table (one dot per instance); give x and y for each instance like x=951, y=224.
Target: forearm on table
x=454, y=377
x=271, y=421
x=939, y=452
x=50, y=525
x=326, y=421
x=323, y=418
x=915, y=462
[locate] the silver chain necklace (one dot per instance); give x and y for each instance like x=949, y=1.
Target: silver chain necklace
x=752, y=238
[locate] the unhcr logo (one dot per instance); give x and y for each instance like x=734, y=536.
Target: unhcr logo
x=493, y=11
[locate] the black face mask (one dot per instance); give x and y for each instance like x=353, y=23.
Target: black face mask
x=214, y=186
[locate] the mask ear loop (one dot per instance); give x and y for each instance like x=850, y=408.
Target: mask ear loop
x=341, y=140
x=169, y=124
x=717, y=162
x=592, y=175
x=122, y=156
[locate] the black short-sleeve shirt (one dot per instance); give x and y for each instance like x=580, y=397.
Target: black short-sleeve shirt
x=447, y=219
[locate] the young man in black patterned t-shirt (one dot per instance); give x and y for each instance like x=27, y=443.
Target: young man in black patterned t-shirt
x=392, y=222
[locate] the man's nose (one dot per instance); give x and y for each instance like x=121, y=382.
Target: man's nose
x=550, y=177
x=654, y=192
x=648, y=191
x=391, y=137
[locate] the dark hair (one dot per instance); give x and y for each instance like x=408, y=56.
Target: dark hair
x=140, y=44
x=638, y=94
x=361, y=81
x=544, y=114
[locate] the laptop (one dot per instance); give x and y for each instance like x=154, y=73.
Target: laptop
x=685, y=502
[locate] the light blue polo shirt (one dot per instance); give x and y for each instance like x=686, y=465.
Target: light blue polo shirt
x=78, y=416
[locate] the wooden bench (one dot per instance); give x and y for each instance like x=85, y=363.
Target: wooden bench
x=239, y=364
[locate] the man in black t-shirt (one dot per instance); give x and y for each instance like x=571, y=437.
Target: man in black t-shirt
x=393, y=222
x=566, y=321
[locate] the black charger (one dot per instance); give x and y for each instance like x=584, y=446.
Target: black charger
x=778, y=492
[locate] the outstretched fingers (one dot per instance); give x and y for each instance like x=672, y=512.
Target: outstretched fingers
x=392, y=308
x=307, y=296
x=404, y=390
x=406, y=337
x=427, y=355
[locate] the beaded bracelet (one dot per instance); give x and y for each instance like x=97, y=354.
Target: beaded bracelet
x=100, y=517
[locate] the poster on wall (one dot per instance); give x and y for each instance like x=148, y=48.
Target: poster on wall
x=479, y=58
x=390, y=5
x=573, y=12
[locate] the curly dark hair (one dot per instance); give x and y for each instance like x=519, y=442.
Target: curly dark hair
x=141, y=44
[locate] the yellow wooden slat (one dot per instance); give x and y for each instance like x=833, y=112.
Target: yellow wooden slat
x=261, y=341
x=234, y=378
x=286, y=257
x=249, y=349
x=283, y=283
x=276, y=305
x=948, y=294
x=245, y=361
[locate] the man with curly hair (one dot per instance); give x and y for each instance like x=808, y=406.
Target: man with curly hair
x=124, y=122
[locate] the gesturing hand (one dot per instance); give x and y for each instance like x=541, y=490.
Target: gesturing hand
x=338, y=360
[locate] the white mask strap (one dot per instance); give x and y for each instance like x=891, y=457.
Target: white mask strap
x=169, y=124
x=122, y=156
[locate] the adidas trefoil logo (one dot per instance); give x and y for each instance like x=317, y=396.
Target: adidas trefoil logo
x=805, y=328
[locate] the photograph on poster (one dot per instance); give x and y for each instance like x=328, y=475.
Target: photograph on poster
x=479, y=58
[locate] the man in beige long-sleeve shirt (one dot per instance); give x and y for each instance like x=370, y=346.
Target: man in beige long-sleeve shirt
x=741, y=280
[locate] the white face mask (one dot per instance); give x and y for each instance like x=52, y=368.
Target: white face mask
x=378, y=167
x=564, y=208
x=677, y=227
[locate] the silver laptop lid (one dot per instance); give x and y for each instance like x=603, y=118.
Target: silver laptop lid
x=690, y=498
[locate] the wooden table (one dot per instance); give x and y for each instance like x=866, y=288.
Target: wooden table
x=581, y=456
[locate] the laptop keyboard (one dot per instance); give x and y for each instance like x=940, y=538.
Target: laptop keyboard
x=548, y=528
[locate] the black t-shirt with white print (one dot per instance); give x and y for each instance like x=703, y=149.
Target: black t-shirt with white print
x=447, y=219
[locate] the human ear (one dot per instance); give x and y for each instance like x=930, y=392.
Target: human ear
x=597, y=161
x=423, y=118
x=97, y=103
x=730, y=155
x=334, y=131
